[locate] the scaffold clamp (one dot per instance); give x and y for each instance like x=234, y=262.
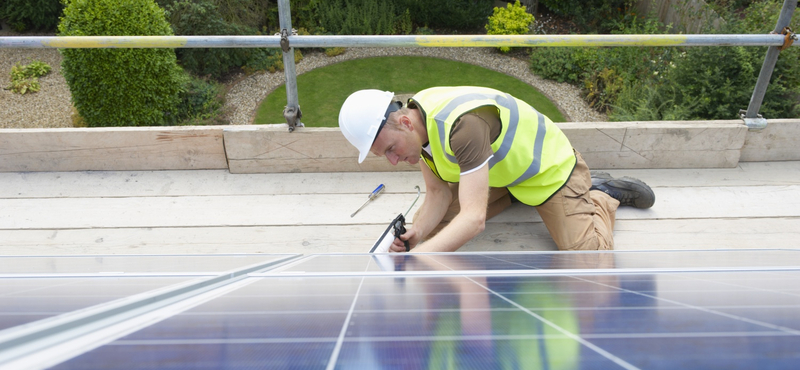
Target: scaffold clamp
x=757, y=123
x=789, y=38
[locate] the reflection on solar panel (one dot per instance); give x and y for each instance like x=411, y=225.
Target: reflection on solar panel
x=729, y=309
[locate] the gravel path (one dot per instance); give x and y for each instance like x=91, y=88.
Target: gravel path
x=51, y=107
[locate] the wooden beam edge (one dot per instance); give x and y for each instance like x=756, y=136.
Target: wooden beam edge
x=239, y=148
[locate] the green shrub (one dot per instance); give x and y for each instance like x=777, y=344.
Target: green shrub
x=201, y=102
x=120, y=87
x=202, y=18
x=563, y=64
x=25, y=15
x=25, y=78
x=592, y=16
x=649, y=102
x=358, y=17
x=468, y=15
x=716, y=82
x=248, y=13
x=511, y=20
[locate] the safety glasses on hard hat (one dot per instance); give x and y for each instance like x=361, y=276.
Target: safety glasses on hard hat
x=393, y=107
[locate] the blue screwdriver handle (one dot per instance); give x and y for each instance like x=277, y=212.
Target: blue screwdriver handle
x=376, y=191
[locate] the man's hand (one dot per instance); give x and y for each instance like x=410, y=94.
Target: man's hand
x=411, y=235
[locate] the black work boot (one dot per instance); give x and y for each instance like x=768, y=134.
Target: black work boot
x=627, y=190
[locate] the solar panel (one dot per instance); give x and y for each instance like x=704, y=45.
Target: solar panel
x=731, y=309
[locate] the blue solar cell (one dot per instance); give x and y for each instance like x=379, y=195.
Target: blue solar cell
x=195, y=355
x=287, y=325
x=717, y=351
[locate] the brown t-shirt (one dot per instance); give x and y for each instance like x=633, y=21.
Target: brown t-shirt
x=472, y=136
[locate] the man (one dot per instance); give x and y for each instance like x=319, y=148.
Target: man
x=477, y=145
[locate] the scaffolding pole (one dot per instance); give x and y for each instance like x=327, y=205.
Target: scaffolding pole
x=90, y=42
x=752, y=119
x=291, y=112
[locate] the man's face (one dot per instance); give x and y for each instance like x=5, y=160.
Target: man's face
x=398, y=145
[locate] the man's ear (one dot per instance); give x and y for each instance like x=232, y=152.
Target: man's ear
x=406, y=121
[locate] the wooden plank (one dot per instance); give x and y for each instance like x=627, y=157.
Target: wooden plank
x=745, y=174
x=166, y=240
x=120, y=148
x=192, y=211
x=779, y=141
x=701, y=144
x=514, y=236
x=221, y=182
x=710, y=233
x=272, y=148
x=95, y=184
x=324, y=209
x=666, y=144
x=700, y=202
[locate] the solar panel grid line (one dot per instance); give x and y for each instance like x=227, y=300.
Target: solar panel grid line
x=719, y=334
x=622, y=363
x=540, y=272
x=127, y=264
x=756, y=288
x=338, y=347
x=92, y=275
x=27, y=340
x=63, y=350
x=130, y=342
x=715, y=312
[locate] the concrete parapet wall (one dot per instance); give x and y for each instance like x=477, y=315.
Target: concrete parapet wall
x=272, y=149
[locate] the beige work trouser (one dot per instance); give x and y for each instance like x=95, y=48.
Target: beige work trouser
x=578, y=219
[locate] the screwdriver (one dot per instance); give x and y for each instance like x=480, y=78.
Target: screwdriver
x=372, y=196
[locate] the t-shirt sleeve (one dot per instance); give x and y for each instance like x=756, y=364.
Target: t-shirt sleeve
x=471, y=143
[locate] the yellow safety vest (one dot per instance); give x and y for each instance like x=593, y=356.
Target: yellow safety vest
x=532, y=156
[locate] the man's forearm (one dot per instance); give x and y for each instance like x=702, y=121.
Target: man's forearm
x=431, y=213
x=462, y=229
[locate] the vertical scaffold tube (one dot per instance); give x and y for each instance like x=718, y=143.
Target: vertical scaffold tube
x=769, y=62
x=292, y=110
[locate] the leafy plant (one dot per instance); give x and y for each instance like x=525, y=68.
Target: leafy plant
x=719, y=81
x=203, y=18
x=643, y=101
x=602, y=88
x=592, y=16
x=563, y=64
x=25, y=78
x=201, y=102
x=121, y=87
x=358, y=17
x=511, y=20
x=23, y=15
x=450, y=14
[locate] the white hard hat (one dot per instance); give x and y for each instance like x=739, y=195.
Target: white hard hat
x=363, y=115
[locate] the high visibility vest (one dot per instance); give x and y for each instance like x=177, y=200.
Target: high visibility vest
x=532, y=156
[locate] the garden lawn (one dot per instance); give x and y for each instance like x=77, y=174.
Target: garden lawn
x=323, y=91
